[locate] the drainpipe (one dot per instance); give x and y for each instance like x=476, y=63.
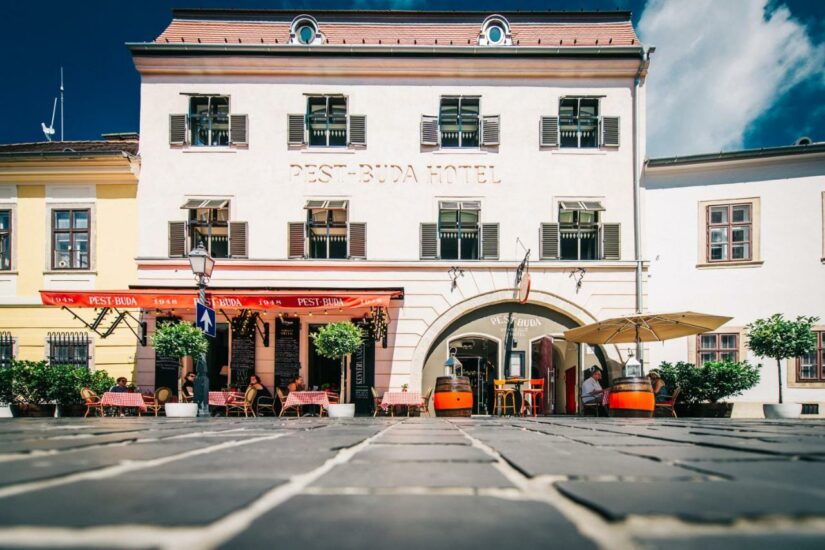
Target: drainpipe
x=644, y=63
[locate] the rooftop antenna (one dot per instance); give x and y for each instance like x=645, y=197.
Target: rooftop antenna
x=61, y=103
x=48, y=131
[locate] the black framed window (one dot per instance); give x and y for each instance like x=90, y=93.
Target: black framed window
x=5, y=240
x=327, y=229
x=458, y=120
x=209, y=224
x=70, y=238
x=327, y=121
x=69, y=348
x=579, y=122
x=6, y=349
x=579, y=230
x=209, y=121
x=458, y=230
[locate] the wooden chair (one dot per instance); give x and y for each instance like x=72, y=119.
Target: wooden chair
x=594, y=406
x=536, y=394
x=376, y=401
x=425, y=403
x=246, y=404
x=501, y=394
x=668, y=405
x=158, y=400
x=282, y=401
x=92, y=401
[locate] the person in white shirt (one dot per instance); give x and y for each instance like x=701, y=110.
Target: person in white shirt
x=591, y=389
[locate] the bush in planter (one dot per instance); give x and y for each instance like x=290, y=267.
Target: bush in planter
x=6, y=393
x=30, y=382
x=711, y=382
x=66, y=381
x=336, y=341
x=179, y=340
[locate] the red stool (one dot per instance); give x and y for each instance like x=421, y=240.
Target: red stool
x=536, y=393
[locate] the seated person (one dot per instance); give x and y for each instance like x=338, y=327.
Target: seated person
x=255, y=382
x=660, y=391
x=189, y=386
x=297, y=384
x=592, y=392
x=120, y=386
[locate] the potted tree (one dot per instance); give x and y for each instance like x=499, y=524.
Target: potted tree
x=338, y=341
x=704, y=389
x=780, y=338
x=180, y=340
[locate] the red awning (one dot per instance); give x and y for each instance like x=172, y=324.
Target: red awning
x=286, y=301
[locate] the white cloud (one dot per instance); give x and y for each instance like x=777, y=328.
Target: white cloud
x=717, y=67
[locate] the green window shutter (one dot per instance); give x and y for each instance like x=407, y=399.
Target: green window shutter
x=358, y=129
x=295, y=129
x=490, y=130
x=358, y=241
x=610, y=131
x=238, y=129
x=297, y=239
x=549, y=131
x=429, y=241
x=177, y=239
x=489, y=241
x=429, y=130
x=177, y=129
x=238, y=240
x=611, y=241
x=549, y=241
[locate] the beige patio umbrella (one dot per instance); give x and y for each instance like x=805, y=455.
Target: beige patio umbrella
x=647, y=327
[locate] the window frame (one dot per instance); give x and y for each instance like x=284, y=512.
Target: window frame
x=459, y=122
x=819, y=362
x=89, y=345
x=729, y=226
x=192, y=224
x=597, y=126
x=9, y=237
x=327, y=116
x=209, y=116
x=10, y=341
x=71, y=232
x=578, y=226
x=717, y=350
x=458, y=223
x=328, y=225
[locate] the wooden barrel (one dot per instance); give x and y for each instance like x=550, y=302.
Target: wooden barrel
x=453, y=396
x=631, y=397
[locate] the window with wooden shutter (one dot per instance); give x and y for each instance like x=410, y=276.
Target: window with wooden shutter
x=295, y=129
x=358, y=240
x=297, y=239
x=238, y=129
x=611, y=241
x=358, y=130
x=429, y=130
x=429, y=241
x=177, y=129
x=549, y=131
x=610, y=131
x=549, y=241
x=238, y=240
x=490, y=130
x=489, y=241
x=177, y=239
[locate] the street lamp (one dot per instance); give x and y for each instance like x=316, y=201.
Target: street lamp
x=202, y=264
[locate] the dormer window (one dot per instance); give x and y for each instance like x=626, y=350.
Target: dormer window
x=495, y=31
x=304, y=30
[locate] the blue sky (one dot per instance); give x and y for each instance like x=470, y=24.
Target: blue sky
x=727, y=74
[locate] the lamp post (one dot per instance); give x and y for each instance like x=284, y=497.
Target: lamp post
x=202, y=264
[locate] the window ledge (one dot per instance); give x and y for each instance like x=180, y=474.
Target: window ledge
x=576, y=151
x=723, y=265
x=460, y=151
x=69, y=272
x=209, y=149
x=812, y=385
x=328, y=150
x=8, y=272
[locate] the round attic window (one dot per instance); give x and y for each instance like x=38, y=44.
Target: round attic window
x=495, y=34
x=306, y=33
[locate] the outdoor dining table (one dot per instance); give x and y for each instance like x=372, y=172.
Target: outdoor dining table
x=123, y=400
x=517, y=382
x=394, y=399
x=299, y=399
x=220, y=398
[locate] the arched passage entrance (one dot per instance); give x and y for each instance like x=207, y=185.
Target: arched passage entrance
x=500, y=340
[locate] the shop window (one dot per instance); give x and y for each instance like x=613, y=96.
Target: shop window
x=70, y=238
x=458, y=230
x=579, y=122
x=458, y=121
x=69, y=348
x=811, y=366
x=327, y=229
x=717, y=347
x=6, y=349
x=327, y=121
x=5, y=240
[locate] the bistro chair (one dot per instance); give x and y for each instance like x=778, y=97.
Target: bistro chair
x=502, y=394
x=265, y=403
x=376, y=401
x=668, y=405
x=92, y=401
x=584, y=407
x=425, y=403
x=158, y=400
x=536, y=394
x=282, y=400
x=246, y=404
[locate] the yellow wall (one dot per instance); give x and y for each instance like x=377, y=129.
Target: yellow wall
x=30, y=238
x=116, y=232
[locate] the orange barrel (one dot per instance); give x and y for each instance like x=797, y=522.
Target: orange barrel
x=453, y=396
x=631, y=397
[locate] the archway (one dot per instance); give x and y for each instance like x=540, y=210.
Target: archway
x=479, y=356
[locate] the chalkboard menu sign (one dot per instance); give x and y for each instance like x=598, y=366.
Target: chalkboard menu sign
x=166, y=368
x=243, y=358
x=362, y=370
x=287, y=350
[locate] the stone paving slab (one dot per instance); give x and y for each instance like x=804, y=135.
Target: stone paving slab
x=797, y=473
x=400, y=438
x=422, y=453
x=413, y=522
x=437, y=475
x=691, y=453
x=795, y=541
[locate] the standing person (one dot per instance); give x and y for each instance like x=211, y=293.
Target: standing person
x=188, y=386
x=120, y=386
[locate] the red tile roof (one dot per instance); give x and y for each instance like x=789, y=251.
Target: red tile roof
x=359, y=28
x=56, y=147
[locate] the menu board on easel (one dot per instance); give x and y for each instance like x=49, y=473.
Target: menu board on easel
x=362, y=370
x=243, y=359
x=287, y=350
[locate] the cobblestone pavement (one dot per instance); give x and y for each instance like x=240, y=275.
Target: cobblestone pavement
x=412, y=483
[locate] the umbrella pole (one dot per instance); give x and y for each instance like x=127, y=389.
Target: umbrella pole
x=639, y=349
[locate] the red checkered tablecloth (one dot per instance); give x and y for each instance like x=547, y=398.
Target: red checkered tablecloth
x=115, y=399
x=406, y=398
x=219, y=398
x=299, y=398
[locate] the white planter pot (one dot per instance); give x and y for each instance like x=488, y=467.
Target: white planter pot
x=5, y=412
x=782, y=410
x=341, y=410
x=178, y=410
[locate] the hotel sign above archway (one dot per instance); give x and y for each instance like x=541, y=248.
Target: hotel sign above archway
x=472, y=174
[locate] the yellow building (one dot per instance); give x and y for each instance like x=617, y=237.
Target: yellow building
x=68, y=221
